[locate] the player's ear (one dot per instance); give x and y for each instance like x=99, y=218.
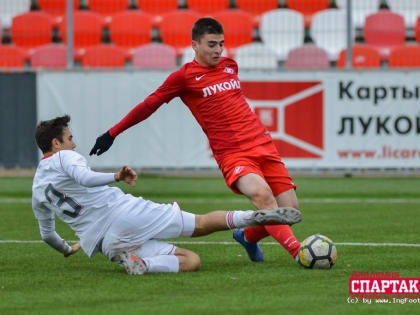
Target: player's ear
x=194, y=45
x=55, y=143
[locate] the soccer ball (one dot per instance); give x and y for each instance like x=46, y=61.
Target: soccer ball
x=317, y=252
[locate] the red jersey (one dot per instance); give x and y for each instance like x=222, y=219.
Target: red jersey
x=214, y=96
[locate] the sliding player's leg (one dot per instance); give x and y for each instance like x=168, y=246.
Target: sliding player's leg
x=145, y=222
x=157, y=256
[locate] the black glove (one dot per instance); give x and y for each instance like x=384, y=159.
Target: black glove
x=103, y=143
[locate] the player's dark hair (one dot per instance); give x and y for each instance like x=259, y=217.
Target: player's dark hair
x=206, y=26
x=47, y=130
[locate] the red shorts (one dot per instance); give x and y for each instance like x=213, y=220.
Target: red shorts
x=263, y=160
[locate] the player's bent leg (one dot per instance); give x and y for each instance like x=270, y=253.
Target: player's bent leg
x=287, y=199
x=257, y=190
x=283, y=233
x=188, y=260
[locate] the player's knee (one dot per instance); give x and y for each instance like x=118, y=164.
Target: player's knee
x=193, y=262
x=264, y=196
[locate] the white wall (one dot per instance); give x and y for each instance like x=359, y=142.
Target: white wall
x=172, y=138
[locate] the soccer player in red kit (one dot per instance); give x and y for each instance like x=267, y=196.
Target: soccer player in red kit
x=241, y=145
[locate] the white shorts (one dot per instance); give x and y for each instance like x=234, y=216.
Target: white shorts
x=137, y=229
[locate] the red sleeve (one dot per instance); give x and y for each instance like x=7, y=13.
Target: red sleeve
x=171, y=88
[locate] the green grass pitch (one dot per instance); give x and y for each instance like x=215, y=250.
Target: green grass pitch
x=34, y=279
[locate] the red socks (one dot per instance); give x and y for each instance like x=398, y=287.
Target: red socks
x=281, y=233
x=255, y=233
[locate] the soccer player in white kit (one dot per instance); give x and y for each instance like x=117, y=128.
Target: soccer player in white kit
x=126, y=229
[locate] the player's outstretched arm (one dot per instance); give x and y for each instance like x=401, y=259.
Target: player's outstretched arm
x=127, y=175
x=74, y=249
x=103, y=143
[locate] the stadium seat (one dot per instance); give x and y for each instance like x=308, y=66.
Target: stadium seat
x=362, y=57
x=31, y=29
x=307, y=57
x=103, y=56
x=57, y=8
x=157, y=8
x=384, y=30
x=282, y=30
x=238, y=27
x=130, y=29
x=188, y=54
x=12, y=57
x=175, y=28
x=308, y=8
x=256, y=56
x=87, y=30
x=361, y=9
x=409, y=9
x=9, y=9
x=257, y=7
x=208, y=6
x=329, y=31
x=108, y=6
x=49, y=56
x=405, y=57
x=154, y=56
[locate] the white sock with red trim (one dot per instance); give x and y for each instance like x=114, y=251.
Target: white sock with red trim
x=238, y=219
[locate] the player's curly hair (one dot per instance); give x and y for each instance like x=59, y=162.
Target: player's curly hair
x=47, y=130
x=206, y=26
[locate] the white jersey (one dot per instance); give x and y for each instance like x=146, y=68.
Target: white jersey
x=65, y=186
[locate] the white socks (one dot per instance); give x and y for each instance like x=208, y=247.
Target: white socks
x=162, y=263
x=238, y=218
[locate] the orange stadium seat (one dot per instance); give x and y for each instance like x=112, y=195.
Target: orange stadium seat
x=362, y=57
x=87, y=30
x=12, y=57
x=57, y=8
x=405, y=56
x=157, y=8
x=154, y=56
x=175, y=29
x=307, y=57
x=108, y=6
x=208, y=6
x=238, y=28
x=384, y=30
x=31, y=29
x=308, y=7
x=103, y=56
x=49, y=56
x=131, y=28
